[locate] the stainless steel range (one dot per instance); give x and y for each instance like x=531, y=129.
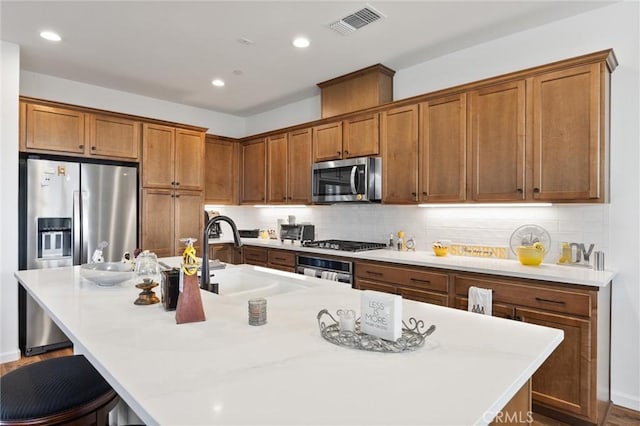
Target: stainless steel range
x=344, y=245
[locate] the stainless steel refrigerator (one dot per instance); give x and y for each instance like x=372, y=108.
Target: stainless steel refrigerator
x=66, y=209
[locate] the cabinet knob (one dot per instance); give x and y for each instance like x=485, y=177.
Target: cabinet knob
x=414, y=194
x=81, y=146
x=93, y=148
x=178, y=196
x=425, y=193
x=284, y=198
x=177, y=183
x=346, y=152
x=173, y=183
x=338, y=153
x=536, y=190
x=519, y=190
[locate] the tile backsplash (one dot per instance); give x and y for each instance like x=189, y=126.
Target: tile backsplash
x=473, y=225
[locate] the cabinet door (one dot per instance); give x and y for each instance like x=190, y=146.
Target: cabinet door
x=54, y=129
x=443, y=144
x=497, y=160
x=399, y=136
x=277, y=169
x=327, y=142
x=361, y=136
x=113, y=137
x=300, y=151
x=158, y=148
x=157, y=221
x=568, y=145
x=189, y=160
x=253, y=189
x=255, y=256
x=221, y=171
x=189, y=222
x=563, y=381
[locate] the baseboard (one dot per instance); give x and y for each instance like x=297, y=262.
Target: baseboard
x=625, y=400
x=9, y=356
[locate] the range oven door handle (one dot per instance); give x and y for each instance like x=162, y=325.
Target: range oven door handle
x=354, y=173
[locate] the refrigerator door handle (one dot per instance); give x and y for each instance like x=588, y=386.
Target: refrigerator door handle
x=76, y=228
x=85, y=227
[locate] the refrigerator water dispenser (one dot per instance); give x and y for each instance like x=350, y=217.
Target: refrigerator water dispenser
x=54, y=237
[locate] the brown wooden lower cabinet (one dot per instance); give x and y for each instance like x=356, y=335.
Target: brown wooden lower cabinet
x=567, y=384
x=421, y=284
x=284, y=260
x=255, y=255
x=226, y=253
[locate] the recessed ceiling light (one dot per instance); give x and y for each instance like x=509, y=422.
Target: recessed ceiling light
x=301, y=42
x=50, y=35
x=217, y=82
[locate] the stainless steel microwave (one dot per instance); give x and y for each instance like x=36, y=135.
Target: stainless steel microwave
x=356, y=179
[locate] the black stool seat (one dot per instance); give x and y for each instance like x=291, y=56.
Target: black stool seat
x=57, y=390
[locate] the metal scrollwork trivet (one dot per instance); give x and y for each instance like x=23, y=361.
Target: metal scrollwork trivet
x=412, y=336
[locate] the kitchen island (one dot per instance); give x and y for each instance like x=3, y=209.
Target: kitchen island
x=224, y=371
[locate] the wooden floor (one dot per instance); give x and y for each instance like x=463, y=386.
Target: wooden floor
x=618, y=416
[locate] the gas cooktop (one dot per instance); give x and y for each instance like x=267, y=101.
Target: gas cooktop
x=344, y=245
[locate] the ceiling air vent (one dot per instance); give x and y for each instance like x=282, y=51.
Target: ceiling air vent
x=356, y=20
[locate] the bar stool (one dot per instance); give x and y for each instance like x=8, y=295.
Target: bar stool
x=58, y=390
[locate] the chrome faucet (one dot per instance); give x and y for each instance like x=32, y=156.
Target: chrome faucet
x=204, y=280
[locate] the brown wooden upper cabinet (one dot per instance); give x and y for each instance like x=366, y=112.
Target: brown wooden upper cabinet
x=568, y=114
x=73, y=132
x=443, y=145
x=172, y=157
x=497, y=142
x=113, y=137
x=54, y=129
x=399, y=147
x=353, y=137
x=289, y=167
x=299, y=171
x=253, y=185
x=277, y=162
x=221, y=170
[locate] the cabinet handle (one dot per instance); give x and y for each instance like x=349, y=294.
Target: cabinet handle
x=414, y=194
x=536, y=190
x=338, y=153
x=425, y=193
x=81, y=146
x=519, y=190
x=419, y=280
x=173, y=184
x=177, y=183
x=346, y=152
x=379, y=274
x=557, y=302
x=93, y=148
x=284, y=198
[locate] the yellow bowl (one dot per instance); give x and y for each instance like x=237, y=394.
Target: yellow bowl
x=529, y=255
x=441, y=251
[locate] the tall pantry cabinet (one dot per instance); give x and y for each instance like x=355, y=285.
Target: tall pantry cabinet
x=172, y=196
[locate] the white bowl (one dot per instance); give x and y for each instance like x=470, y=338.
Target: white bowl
x=107, y=273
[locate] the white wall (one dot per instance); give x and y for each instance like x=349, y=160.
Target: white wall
x=614, y=228
x=9, y=82
x=294, y=113
x=53, y=88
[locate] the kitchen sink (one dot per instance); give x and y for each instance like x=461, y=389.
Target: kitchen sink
x=256, y=282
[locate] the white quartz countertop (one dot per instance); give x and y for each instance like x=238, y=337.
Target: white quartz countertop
x=505, y=267
x=224, y=371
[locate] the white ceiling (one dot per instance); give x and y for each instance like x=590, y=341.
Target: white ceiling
x=171, y=50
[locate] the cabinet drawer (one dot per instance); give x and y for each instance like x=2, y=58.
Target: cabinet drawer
x=255, y=255
x=282, y=257
x=556, y=300
x=411, y=277
x=423, y=296
x=370, y=285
